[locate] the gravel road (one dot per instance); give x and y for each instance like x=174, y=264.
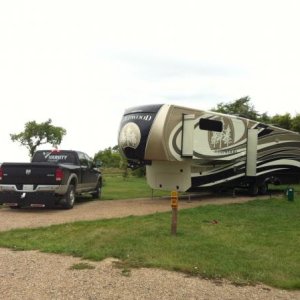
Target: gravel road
x=34, y=275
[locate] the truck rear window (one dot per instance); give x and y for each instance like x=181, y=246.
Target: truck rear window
x=54, y=157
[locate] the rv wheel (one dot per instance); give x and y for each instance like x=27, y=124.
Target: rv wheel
x=253, y=189
x=263, y=189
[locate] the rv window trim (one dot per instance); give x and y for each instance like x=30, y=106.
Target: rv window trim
x=210, y=125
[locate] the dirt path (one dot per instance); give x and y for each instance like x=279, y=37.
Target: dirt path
x=92, y=210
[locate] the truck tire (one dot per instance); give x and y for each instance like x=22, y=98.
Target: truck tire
x=16, y=207
x=97, y=193
x=69, y=198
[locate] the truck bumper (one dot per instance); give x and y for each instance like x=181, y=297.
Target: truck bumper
x=25, y=199
x=30, y=195
x=30, y=188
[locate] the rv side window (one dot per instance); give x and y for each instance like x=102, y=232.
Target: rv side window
x=211, y=125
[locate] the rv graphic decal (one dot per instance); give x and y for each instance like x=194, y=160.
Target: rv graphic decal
x=218, y=140
x=130, y=136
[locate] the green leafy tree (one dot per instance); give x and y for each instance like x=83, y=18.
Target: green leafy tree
x=264, y=118
x=244, y=108
x=139, y=172
x=110, y=157
x=36, y=134
x=283, y=121
x=296, y=123
x=241, y=107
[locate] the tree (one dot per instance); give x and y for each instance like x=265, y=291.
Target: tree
x=296, y=123
x=110, y=157
x=283, y=121
x=264, y=118
x=36, y=134
x=241, y=107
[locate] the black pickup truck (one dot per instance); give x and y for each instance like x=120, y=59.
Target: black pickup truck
x=54, y=177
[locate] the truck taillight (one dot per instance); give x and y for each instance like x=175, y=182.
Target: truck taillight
x=59, y=174
x=1, y=173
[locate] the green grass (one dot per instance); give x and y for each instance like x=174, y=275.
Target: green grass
x=258, y=241
x=116, y=187
x=82, y=266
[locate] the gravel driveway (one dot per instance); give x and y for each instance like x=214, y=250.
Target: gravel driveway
x=35, y=275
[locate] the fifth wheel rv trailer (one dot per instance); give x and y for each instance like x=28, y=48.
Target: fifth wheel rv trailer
x=186, y=149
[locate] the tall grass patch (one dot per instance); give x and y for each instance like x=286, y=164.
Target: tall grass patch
x=117, y=187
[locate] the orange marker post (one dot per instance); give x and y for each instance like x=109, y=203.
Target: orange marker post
x=174, y=205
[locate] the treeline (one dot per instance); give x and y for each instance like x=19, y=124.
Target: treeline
x=244, y=108
x=111, y=158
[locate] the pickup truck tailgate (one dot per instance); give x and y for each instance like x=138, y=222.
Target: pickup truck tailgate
x=28, y=173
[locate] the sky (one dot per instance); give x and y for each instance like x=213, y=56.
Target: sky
x=82, y=63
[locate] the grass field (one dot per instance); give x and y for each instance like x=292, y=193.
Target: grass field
x=116, y=187
x=258, y=241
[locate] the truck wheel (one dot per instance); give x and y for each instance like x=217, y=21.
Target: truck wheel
x=97, y=193
x=69, y=199
x=15, y=207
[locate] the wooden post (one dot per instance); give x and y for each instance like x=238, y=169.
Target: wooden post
x=174, y=205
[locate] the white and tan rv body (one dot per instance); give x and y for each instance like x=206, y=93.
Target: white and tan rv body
x=186, y=149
